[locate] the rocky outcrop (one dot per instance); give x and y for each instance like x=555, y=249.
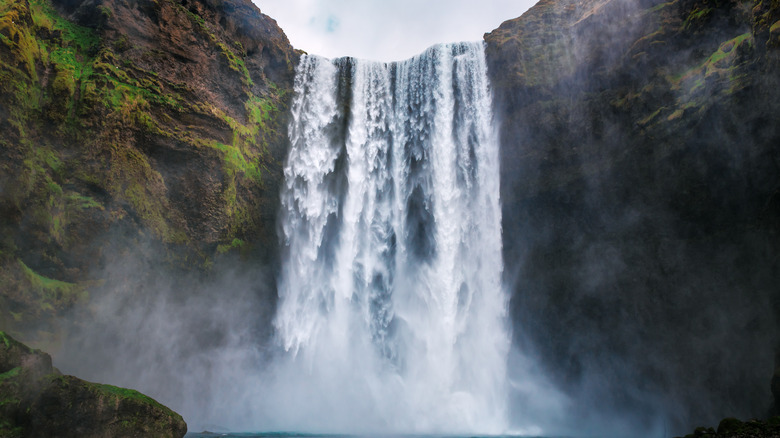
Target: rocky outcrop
x=775, y=386
x=734, y=428
x=36, y=400
x=641, y=203
x=149, y=126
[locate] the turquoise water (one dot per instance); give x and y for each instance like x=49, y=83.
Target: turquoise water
x=308, y=435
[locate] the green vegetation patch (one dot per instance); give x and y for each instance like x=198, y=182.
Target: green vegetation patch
x=83, y=39
x=235, y=61
x=696, y=17
x=117, y=87
x=723, y=64
x=658, y=7
x=236, y=162
x=125, y=393
x=10, y=374
x=19, y=37
x=235, y=244
x=83, y=202
x=53, y=293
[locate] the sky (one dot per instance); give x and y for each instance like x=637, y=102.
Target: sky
x=386, y=30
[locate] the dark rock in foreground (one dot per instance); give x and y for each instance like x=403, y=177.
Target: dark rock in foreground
x=733, y=428
x=37, y=400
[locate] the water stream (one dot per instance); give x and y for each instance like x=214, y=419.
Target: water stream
x=391, y=309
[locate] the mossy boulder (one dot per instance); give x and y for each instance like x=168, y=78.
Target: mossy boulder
x=37, y=400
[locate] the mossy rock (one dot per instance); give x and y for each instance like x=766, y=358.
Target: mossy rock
x=36, y=400
x=85, y=409
x=730, y=426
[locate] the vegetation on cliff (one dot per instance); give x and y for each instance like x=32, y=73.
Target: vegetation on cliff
x=157, y=124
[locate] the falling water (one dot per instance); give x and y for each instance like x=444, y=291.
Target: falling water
x=391, y=306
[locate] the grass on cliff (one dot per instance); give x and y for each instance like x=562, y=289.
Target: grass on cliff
x=719, y=73
x=67, y=85
x=125, y=393
x=10, y=374
x=234, y=61
x=51, y=294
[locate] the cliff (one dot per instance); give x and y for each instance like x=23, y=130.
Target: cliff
x=641, y=202
x=154, y=128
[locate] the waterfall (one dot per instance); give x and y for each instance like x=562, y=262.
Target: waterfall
x=391, y=309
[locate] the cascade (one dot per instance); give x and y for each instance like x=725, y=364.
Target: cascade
x=391, y=308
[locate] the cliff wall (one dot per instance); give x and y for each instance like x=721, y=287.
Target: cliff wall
x=152, y=129
x=641, y=203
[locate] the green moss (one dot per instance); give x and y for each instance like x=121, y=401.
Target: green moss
x=50, y=158
x=236, y=64
x=121, y=44
x=125, y=393
x=83, y=202
x=235, y=244
x=19, y=38
x=658, y=7
x=42, y=282
x=105, y=12
x=83, y=39
x=695, y=17
x=235, y=61
x=51, y=293
x=236, y=162
x=6, y=340
x=54, y=188
x=10, y=373
x=677, y=114
x=649, y=118
x=723, y=64
x=117, y=88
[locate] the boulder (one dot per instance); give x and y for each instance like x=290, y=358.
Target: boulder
x=37, y=400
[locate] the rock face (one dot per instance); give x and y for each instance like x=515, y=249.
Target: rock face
x=36, y=400
x=151, y=126
x=734, y=428
x=640, y=176
x=775, y=410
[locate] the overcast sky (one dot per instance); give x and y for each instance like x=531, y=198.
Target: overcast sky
x=386, y=30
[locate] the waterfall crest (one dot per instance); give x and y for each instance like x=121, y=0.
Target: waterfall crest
x=391, y=308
